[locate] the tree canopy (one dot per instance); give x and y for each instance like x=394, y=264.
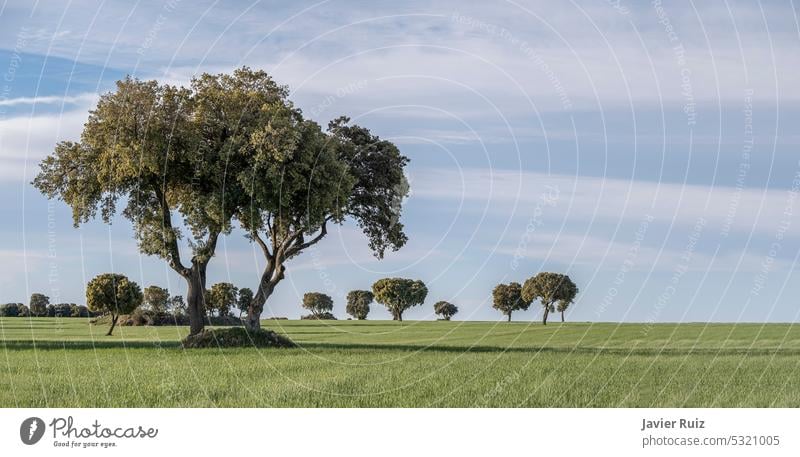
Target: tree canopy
x=38, y=304
x=221, y=298
x=358, y=303
x=317, y=303
x=549, y=288
x=445, y=309
x=113, y=294
x=399, y=294
x=156, y=298
x=243, y=300
x=507, y=298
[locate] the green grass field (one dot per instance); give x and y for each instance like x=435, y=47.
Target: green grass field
x=50, y=362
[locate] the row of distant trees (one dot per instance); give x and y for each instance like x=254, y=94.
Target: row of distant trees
x=555, y=292
x=40, y=306
x=396, y=294
x=116, y=295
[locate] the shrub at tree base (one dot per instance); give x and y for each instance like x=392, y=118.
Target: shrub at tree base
x=236, y=337
x=319, y=316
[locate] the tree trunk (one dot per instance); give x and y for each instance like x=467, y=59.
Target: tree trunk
x=562, y=316
x=546, y=313
x=509, y=316
x=195, y=300
x=265, y=289
x=114, y=318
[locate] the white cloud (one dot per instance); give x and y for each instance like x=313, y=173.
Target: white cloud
x=25, y=140
x=50, y=100
x=587, y=199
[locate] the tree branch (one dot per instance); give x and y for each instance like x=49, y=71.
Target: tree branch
x=263, y=244
x=171, y=241
x=293, y=250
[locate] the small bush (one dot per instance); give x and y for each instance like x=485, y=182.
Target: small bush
x=320, y=316
x=236, y=337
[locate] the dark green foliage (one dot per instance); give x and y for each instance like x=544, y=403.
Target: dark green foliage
x=236, y=337
x=358, y=303
x=507, y=298
x=445, y=309
x=380, y=186
x=38, y=304
x=156, y=299
x=177, y=305
x=10, y=309
x=317, y=303
x=319, y=317
x=399, y=294
x=243, y=300
x=113, y=294
x=221, y=298
x=78, y=311
x=550, y=288
x=62, y=310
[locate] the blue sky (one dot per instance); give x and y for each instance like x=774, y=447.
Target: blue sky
x=648, y=150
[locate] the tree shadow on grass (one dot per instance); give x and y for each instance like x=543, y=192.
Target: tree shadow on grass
x=532, y=350
x=83, y=344
x=372, y=347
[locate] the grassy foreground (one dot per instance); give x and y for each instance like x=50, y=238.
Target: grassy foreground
x=68, y=363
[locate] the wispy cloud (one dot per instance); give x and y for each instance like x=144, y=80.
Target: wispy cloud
x=82, y=99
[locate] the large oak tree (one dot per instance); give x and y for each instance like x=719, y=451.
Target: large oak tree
x=173, y=156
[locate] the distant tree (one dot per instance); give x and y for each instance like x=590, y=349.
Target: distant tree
x=244, y=299
x=38, y=304
x=177, y=305
x=358, y=303
x=9, y=310
x=317, y=303
x=507, y=298
x=51, y=311
x=550, y=288
x=222, y=297
x=399, y=294
x=156, y=299
x=445, y=309
x=113, y=294
x=78, y=311
x=24, y=311
x=62, y=310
